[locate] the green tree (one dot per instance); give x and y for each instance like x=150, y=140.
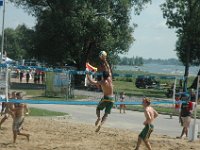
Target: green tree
x=183, y=15
x=18, y=43
x=77, y=31
x=138, y=61
x=123, y=61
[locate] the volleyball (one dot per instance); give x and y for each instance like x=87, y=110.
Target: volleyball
x=102, y=54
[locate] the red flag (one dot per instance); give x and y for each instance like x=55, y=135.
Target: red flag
x=90, y=67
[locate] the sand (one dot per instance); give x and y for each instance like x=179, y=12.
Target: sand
x=57, y=133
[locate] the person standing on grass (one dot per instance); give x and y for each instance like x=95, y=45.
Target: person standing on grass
x=107, y=87
x=150, y=114
x=21, y=74
x=122, y=106
x=27, y=76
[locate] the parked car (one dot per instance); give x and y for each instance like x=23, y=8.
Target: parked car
x=146, y=82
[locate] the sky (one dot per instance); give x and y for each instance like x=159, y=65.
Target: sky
x=15, y=16
x=153, y=39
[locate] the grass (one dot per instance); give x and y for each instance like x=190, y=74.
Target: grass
x=160, y=109
x=127, y=84
x=40, y=95
x=34, y=92
x=130, y=90
x=78, y=97
x=43, y=112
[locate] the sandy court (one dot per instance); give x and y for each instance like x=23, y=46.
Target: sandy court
x=63, y=134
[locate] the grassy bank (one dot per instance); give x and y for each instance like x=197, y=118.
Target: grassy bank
x=127, y=84
x=43, y=112
x=160, y=109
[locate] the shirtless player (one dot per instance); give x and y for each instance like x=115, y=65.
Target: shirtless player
x=18, y=114
x=6, y=111
x=150, y=115
x=7, y=106
x=108, y=98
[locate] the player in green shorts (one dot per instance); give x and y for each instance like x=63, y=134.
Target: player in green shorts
x=146, y=132
x=107, y=88
x=150, y=114
x=107, y=103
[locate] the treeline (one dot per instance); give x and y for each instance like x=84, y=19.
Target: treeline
x=171, y=61
x=134, y=61
x=73, y=32
x=139, y=61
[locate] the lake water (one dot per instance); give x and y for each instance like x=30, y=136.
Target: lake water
x=162, y=69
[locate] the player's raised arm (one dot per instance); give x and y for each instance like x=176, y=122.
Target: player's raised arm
x=103, y=57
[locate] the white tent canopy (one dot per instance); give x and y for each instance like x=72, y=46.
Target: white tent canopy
x=6, y=59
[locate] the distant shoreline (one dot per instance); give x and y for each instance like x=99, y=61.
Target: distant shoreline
x=160, y=69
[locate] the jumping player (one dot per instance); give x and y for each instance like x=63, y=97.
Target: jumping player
x=107, y=88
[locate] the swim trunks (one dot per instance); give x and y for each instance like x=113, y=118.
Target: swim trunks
x=107, y=103
x=17, y=123
x=146, y=132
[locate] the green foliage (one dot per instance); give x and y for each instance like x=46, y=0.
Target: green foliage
x=184, y=16
x=138, y=61
x=76, y=31
x=127, y=84
x=160, y=109
x=19, y=42
x=171, y=61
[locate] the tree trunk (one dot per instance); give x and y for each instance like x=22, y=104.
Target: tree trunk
x=186, y=78
x=194, y=84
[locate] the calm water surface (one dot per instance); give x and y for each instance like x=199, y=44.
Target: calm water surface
x=162, y=69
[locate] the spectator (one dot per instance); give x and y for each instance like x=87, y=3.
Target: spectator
x=122, y=106
x=43, y=76
x=185, y=114
x=21, y=74
x=27, y=76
